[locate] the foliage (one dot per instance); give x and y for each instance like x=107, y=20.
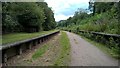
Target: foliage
x=114, y=51
x=100, y=7
x=79, y=15
x=26, y=16
x=49, y=20
x=103, y=21
x=105, y=18
x=118, y=14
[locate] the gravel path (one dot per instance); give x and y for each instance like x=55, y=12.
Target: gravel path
x=85, y=54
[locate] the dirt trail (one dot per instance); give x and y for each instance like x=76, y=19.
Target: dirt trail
x=85, y=54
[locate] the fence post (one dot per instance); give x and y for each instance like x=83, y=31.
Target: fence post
x=4, y=57
x=29, y=46
x=20, y=50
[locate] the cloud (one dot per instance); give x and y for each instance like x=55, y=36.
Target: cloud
x=61, y=17
x=63, y=9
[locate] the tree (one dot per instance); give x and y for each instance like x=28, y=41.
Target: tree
x=9, y=22
x=27, y=16
x=80, y=14
x=99, y=7
x=118, y=12
x=31, y=17
x=49, y=20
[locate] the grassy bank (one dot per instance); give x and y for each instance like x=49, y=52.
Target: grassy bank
x=64, y=57
x=14, y=37
x=40, y=52
x=56, y=52
x=110, y=52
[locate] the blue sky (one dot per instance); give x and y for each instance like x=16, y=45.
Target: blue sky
x=64, y=9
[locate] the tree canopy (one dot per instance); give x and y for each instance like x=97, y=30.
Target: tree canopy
x=104, y=17
x=27, y=17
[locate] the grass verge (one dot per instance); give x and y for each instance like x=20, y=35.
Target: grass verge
x=102, y=47
x=14, y=37
x=64, y=57
x=40, y=52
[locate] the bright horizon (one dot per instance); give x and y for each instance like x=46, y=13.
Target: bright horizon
x=64, y=9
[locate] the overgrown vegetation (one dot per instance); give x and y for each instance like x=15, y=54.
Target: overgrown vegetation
x=105, y=18
x=26, y=17
x=112, y=52
x=64, y=57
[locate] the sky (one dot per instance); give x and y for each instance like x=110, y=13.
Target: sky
x=64, y=9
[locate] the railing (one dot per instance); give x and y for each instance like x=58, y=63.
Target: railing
x=110, y=40
x=17, y=48
x=105, y=35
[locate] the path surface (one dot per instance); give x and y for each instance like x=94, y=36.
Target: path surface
x=85, y=54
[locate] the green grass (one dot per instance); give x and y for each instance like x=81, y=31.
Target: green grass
x=103, y=48
x=0, y=40
x=40, y=52
x=14, y=37
x=64, y=57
